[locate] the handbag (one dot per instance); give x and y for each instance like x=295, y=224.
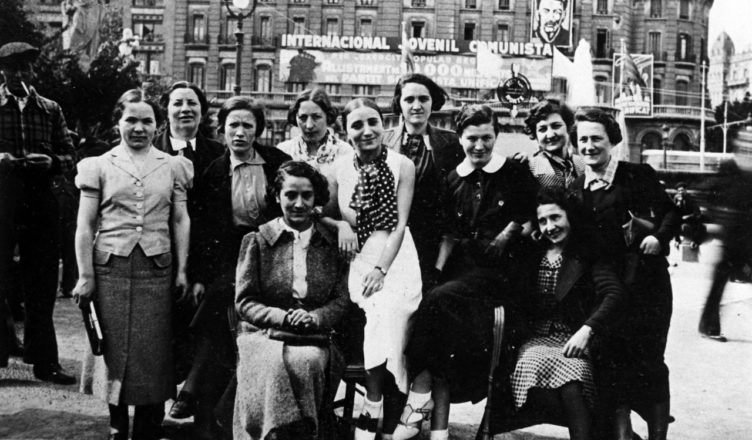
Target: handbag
x=302, y=339
x=93, y=329
x=636, y=229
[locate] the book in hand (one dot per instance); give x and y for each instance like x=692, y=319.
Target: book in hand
x=93, y=329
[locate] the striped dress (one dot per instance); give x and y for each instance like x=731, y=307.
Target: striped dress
x=541, y=362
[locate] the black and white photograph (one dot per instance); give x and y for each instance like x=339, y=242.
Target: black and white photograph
x=375, y=220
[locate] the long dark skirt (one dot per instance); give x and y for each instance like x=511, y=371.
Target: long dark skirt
x=638, y=373
x=453, y=334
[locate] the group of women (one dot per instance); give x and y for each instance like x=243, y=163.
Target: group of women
x=424, y=229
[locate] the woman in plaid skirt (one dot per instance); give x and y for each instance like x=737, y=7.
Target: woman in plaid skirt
x=574, y=297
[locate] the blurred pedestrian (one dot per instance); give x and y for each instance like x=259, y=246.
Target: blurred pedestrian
x=730, y=203
x=133, y=230
x=692, y=228
x=35, y=148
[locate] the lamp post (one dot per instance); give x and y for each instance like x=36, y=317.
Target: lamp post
x=239, y=10
x=665, y=128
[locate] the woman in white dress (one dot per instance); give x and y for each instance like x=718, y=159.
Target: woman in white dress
x=372, y=192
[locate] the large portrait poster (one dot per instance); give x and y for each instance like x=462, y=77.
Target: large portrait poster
x=551, y=22
x=633, y=84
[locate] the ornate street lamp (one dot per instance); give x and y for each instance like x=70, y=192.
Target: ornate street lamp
x=239, y=10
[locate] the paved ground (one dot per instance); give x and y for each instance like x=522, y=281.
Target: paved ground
x=711, y=381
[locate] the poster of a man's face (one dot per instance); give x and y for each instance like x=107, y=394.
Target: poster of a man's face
x=552, y=21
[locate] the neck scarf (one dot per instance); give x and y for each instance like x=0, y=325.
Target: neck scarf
x=374, y=199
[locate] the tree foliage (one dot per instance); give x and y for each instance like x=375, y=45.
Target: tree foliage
x=86, y=96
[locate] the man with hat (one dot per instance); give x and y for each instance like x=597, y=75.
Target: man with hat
x=34, y=148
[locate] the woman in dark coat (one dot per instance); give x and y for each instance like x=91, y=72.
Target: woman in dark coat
x=435, y=152
x=291, y=289
x=490, y=201
x=636, y=221
x=229, y=205
x=573, y=297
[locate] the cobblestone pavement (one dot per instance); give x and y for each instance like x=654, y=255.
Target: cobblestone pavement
x=711, y=382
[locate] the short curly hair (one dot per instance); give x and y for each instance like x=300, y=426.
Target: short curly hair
x=242, y=103
x=317, y=96
x=599, y=116
x=543, y=110
x=304, y=170
x=438, y=95
x=475, y=114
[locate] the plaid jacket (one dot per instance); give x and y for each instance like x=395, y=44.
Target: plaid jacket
x=40, y=128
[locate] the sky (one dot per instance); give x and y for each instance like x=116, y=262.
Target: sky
x=731, y=16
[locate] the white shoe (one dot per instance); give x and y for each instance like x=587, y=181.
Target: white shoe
x=411, y=421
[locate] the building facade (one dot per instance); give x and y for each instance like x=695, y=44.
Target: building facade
x=729, y=73
x=194, y=40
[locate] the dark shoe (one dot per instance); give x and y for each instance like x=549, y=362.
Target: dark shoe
x=117, y=436
x=184, y=406
x=53, y=373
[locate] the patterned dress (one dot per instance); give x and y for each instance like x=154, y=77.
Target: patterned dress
x=541, y=362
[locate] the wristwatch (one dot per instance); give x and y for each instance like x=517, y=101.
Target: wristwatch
x=380, y=269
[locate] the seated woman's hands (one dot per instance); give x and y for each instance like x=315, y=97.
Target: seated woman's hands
x=347, y=240
x=499, y=243
x=576, y=345
x=299, y=320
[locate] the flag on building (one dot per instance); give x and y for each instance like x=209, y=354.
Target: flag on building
x=408, y=60
x=82, y=20
x=487, y=63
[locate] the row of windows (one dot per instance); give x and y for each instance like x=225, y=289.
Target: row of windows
x=262, y=76
x=656, y=9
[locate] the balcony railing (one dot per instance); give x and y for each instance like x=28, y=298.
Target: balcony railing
x=660, y=57
x=263, y=41
x=148, y=3
x=285, y=98
x=686, y=161
x=604, y=54
x=682, y=111
x=687, y=58
x=190, y=38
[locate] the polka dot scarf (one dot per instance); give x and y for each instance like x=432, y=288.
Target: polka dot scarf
x=374, y=199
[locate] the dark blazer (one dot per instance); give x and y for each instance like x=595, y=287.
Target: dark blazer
x=206, y=150
x=264, y=290
x=215, y=240
x=635, y=189
x=588, y=290
x=426, y=220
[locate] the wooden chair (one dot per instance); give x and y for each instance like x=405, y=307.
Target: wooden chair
x=354, y=376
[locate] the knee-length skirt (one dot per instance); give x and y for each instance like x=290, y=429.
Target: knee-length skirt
x=541, y=364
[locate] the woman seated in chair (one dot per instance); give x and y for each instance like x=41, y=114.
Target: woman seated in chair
x=291, y=290
x=489, y=202
x=574, y=297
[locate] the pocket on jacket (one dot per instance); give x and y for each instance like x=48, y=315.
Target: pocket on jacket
x=162, y=264
x=102, y=261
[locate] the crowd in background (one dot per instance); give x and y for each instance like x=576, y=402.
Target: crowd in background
x=247, y=276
